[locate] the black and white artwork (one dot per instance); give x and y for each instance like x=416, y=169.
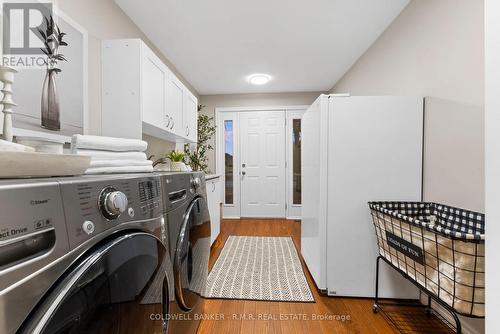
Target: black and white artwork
x=71, y=85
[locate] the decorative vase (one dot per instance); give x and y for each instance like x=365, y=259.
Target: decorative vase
x=177, y=166
x=50, y=103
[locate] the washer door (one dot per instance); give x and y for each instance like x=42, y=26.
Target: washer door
x=191, y=254
x=121, y=287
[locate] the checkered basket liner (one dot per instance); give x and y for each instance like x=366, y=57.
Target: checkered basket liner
x=451, y=244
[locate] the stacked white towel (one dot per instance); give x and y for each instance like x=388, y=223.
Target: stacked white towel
x=112, y=155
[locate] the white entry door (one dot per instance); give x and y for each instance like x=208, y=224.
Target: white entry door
x=262, y=162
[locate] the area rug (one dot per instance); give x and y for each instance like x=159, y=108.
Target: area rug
x=259, y=268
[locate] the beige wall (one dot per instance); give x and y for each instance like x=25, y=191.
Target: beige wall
x=105, y=20
x=251, y=100
x=435, y=49
x=492, y=104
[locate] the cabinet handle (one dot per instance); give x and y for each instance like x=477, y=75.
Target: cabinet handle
x=187, y=130
x=173, y=122
x=168, y=119
x=213, y=187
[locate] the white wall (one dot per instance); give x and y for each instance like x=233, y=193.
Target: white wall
x=251, y=100
x=105, y=20
x=435, y=49
x=492, y=106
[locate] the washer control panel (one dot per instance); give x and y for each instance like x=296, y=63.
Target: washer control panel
x=112, y=202
x=95, y=204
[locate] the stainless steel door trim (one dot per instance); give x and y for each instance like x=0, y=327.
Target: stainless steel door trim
x=178, y=256
x=81, y=270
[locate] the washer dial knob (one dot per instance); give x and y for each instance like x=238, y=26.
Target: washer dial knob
x=113, y=203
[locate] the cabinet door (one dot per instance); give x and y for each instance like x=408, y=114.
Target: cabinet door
x=154, y=80
x=190, y=116
x=175, y=91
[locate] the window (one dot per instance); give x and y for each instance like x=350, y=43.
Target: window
x=228, y=161
x=296, y=161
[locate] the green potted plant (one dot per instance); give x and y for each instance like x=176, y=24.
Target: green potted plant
x=197, y=157
x=177, y=161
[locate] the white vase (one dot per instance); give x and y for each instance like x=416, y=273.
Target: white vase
x=177, y=166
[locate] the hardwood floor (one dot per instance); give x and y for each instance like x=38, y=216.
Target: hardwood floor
x=342, y=315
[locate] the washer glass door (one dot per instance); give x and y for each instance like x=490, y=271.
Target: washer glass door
x=191, y=254
x=121, y=287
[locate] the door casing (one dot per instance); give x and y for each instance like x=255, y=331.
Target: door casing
x=233, y=211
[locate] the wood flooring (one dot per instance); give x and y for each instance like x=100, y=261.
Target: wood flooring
x=326, y=315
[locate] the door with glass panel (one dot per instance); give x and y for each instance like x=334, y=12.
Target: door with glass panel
x=260, y=163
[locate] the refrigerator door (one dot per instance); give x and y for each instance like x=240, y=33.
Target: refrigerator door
x=374, y=154
x=314, y=128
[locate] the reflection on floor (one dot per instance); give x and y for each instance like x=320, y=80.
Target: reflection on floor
x=326, y=315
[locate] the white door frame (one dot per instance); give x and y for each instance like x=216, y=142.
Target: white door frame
x=232, y=211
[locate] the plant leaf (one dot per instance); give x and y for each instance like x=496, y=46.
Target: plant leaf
x=42, y=34
x=60, y=57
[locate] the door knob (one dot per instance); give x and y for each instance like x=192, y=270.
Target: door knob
x=243, y=173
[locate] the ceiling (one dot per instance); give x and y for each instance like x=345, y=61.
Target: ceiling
x=305, y=45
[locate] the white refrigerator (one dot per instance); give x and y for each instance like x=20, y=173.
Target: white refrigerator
x=356, y=149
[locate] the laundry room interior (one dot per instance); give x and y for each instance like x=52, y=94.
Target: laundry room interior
x=249, y=167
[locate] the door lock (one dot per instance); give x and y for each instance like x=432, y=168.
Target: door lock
x=243, y=165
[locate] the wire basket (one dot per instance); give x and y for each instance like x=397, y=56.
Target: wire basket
x=441, y=248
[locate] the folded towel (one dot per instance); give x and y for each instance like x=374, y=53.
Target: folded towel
x=94, y=163
x=124, y=169
x=107, y=155
x=7, y=146
x=107, y=143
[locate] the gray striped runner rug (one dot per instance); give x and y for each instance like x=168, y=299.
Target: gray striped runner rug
x=259, y=268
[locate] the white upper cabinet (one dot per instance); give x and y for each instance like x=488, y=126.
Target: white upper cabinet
x=141, y=95
x=175, y=104
x=190, y=114
x=155, y=76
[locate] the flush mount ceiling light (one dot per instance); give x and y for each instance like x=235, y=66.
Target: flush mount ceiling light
x=259, y=79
